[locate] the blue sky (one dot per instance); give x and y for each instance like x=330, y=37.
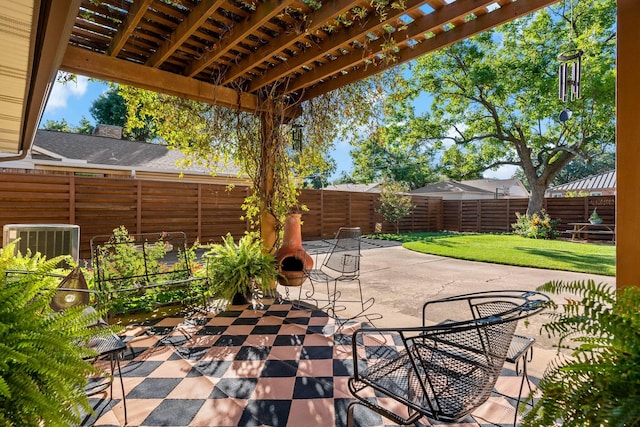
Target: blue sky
x=73, y=100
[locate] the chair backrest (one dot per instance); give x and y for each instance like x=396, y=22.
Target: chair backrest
x=459, y=365
x=344, y=256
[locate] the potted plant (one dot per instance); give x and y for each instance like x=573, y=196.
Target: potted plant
x=236, y=270
x=595, y=380
x=595, y=218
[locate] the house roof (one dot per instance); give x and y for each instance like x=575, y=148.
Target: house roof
x=449, y=187
x=482, y=187
x=513, y=186
x=77, y=150
x=601, y=181
x=361, y=188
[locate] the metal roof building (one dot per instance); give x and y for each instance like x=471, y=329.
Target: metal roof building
x=602, y=184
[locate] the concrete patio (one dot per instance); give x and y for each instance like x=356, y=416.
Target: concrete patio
x=400, y=280
x=276, y=365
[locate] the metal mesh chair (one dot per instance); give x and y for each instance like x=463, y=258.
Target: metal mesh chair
x=341, y=265
x=74, y=292
x=444, y=371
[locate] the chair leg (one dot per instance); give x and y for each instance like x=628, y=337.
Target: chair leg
x=350, y=410
x=124, y=397
x=114, y=362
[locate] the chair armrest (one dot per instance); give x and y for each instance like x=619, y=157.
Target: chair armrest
x=506, y=305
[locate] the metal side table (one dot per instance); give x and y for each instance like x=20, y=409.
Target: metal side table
x=520, y=353
x=112, y=346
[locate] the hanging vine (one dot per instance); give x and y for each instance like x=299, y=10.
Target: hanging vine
x=221, y=139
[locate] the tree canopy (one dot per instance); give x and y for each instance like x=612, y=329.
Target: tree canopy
x=495, y=96
x=84, y=126
x=110, y=108
x=395, y=151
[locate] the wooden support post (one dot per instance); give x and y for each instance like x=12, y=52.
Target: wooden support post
x=72, y=199
x=138, y=206
x=627, y=147
x=268, y=144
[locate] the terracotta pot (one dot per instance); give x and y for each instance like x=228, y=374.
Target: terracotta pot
x=292, y=259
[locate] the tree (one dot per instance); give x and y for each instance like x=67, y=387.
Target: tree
x=344, y=178
x=84, y=127
x=495, y=95
x=395, y=204
x=320, y=178
x=395, y=151
x=61, y=126
x=110, y=108
x=580, y=168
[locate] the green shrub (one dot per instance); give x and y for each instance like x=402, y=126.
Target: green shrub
x=537, y=226
x=598, y=383
x=120, y=257
x=42, y=371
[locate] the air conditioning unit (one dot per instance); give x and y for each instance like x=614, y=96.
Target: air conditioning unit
x=51, y=240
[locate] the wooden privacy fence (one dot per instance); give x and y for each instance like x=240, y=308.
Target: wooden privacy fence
x=495, y=216
x=205, y=212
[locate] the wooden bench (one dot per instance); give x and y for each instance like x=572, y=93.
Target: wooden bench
x=152, y=269
x=582, y=230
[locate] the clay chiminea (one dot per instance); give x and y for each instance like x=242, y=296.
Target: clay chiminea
x=291, y=258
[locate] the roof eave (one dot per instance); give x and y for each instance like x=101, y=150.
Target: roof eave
x=50, y=29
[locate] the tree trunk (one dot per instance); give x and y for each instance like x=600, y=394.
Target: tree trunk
x=536, y=200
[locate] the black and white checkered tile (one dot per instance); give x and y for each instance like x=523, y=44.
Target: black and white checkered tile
x=276, y=366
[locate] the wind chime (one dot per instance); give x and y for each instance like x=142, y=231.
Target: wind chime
x=569, y=75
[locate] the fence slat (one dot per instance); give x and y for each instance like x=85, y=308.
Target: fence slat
x=206, y=212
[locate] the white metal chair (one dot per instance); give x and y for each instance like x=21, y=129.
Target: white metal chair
x=341, y=266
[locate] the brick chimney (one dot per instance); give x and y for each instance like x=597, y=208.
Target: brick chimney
x=109, y=131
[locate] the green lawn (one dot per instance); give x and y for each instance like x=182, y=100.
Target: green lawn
x=514, y=250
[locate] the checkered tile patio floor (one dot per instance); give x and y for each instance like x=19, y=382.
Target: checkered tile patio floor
x=273, y=366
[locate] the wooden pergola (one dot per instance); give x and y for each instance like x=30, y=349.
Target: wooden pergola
x=231, y=53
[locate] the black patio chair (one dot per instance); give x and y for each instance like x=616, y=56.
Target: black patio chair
x=443, y=371
x=341, y=265
x=74, y=292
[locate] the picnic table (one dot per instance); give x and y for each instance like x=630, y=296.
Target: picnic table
x=582, y=230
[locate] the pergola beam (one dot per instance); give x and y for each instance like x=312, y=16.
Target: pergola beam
x=315, y=21
x=196, y=18
x=332, y=43
x=265, y=12
x=92, y=64
x=136, y=12
x=432, y=22
x=483, y=23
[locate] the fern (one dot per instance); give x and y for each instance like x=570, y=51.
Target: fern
x=236, y=268
x=596, y=379
x=42, y=368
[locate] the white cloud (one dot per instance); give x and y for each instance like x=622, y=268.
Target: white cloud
x=60, y=93
x=503, y=172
